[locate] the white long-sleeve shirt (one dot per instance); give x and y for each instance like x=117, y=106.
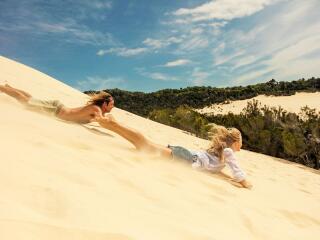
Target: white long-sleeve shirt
x=210, y=162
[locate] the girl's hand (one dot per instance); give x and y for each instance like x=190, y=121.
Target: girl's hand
x=246, y=184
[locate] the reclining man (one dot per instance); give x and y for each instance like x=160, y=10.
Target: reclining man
x=98, y=105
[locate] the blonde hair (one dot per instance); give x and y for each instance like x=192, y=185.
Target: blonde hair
x=222, y=138
x=99, y=98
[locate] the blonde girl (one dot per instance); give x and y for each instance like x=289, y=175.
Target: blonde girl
x=224, y=142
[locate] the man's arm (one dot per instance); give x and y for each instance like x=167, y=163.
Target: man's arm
x=96, y=114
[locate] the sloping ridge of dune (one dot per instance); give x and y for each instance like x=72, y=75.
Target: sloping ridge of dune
x=65, y=181
x=293, y=103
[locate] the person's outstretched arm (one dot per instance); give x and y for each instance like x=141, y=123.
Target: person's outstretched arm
x=238, y=174
x=133, y=136
x=244, y=183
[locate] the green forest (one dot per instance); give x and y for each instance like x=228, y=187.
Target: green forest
x=198, y=97
x=271, y=131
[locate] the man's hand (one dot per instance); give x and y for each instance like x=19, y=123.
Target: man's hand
x=97, y=114
x=106, y=121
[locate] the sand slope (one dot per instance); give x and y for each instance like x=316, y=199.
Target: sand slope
x=67, y=181
x=292, y=103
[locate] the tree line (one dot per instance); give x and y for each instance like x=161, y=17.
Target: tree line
x=198, y=97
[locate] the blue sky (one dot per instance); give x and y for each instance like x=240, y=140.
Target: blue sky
x=142, y=45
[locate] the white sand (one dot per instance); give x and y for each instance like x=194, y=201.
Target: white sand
x=64, y=181
x=292, y=103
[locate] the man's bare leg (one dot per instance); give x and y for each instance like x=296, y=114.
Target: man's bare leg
x=133, y=136
x=18, y=94
x=19, y=90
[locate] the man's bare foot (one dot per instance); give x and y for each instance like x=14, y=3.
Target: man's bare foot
x=2, y=87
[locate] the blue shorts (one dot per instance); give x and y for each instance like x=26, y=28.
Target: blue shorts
x=181, y=153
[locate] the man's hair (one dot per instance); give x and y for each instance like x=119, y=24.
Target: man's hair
x=100, y=98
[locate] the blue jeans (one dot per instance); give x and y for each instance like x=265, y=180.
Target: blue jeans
x=181, y=153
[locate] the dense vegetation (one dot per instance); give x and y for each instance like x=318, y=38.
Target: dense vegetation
x=198, y=97
x=276, y=132
x=271, y=131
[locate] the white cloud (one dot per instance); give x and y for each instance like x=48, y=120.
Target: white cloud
x=251, y=76
x=223, y=9
x=159, y=76
x=244, y=61
x=172, y=40
x=41, y=21
x=300, y=68
x=102, y=52
x=156, y=75
x=178, y=62
x=157, y=44
x=218, y=24
x=220, y=59
x=100, y=4
x=199, y=76
x=194, y=43
x=297, y=50
x=181, y=21
x=71, y=31
x=280, y=47
x=294, y=60
x=154, y=43
x=291, y=62
x=53, y=27
x=123, y=52
x=127, y=52
x=220, y=48
x=196, y=31
x=99, y=83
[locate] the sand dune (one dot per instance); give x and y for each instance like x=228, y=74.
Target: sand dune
x=292, y=103
x=66, y=181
